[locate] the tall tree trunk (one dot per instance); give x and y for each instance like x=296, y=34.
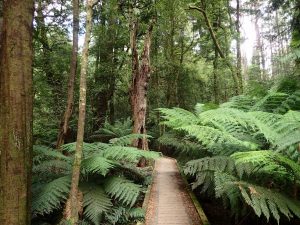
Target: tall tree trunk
x=71, y=210
x=140, y=79
x=238, y=47
x=16, y=98
x=64, y=125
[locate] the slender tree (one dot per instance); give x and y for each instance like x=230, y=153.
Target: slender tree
x=71, y=210
x=71, y=83
x=16, y=112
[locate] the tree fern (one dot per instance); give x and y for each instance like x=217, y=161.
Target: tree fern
x=122, y=189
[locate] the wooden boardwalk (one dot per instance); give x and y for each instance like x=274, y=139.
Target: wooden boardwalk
x=169, y=202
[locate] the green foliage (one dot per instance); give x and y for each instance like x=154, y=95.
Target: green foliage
x=127, y=139
x=123, y=190
x=109, y=180
x=239, y=173
x=95, y=202
x=242, y=102
x=262, y=200
x=97, y=164
x=50, y=196
x=130, y=154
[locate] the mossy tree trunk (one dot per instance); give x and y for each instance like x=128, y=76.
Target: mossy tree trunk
x=71, y=209
x=16, y=98
x=64, y=125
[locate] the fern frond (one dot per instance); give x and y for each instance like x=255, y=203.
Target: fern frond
x=218, y=142
x=122, y=189
x=137, y=214
x=268, y=160
x=292, y=102
x=217, y=163
x=53, y=166
x=97, y=164
x=177, y=117
x=241, y=102
x=42, y=153
x=288, y=129
x=270, y=102
x=181, y=144
x=95, y=202
x=50, y=196
x=128, y=153
x=116, y=214
x=262, y=200
x=232, y=121
x=127, y=139
x=87, y=147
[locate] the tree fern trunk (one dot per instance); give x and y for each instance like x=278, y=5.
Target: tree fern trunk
x=16, y=112
x=71, y=210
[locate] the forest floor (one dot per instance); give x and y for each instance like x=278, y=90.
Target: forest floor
x=169, y=201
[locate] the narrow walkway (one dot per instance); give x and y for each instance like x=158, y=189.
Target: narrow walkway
x=169, y=202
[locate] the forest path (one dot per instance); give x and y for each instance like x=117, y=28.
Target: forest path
x=169, y=201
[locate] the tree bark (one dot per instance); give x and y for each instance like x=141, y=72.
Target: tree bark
x=64, y=125
x=16, y=97
x=71, y=210
x=140, y=79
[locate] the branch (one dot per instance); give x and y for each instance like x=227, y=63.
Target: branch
x=212, y=33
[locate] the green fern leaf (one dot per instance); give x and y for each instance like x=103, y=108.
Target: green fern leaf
x=50, y=196
x=122, y=189
x=95, y=202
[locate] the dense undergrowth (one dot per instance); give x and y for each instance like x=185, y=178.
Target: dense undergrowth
x=245, y=152
x=111, y=185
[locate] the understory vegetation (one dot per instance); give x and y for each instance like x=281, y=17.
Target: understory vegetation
x=111, y=185
x=246, y=152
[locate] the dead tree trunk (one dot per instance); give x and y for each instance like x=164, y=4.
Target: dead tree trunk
x=16, y=98
x=71, y=210
x=64, y=125
x=140, y=79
